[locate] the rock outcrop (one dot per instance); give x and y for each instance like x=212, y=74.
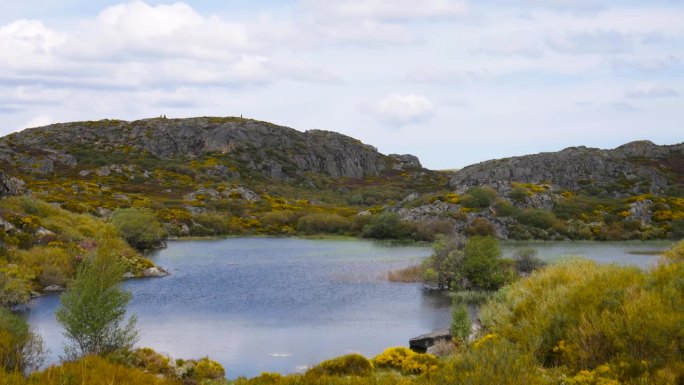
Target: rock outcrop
x=280, y=153
x=634, y=167
x=9, y=185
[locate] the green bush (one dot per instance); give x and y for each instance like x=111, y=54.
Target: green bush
x=139, y=227
x=526, y=260
x=504, y=208
x=481, y=227
x=349, y=365
x=483, y=266
x=460, y=322
x=580, y=316
x=385, y=226
x=21, y=350
x=323, y=223
x=478, y=197
x=538, y=218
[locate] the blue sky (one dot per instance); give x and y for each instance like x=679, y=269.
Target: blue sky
x=454, y=82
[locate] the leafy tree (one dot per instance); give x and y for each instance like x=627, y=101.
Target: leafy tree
x=443, y=267
x=483, y=266
x=139, y=226
x=94, y=306
x=21, y=350
x=472, y=264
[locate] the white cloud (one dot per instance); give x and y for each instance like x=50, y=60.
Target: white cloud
x=650, y=91
x=387, y=10
x=402, y=109
x=37, y=121
x=591, y=42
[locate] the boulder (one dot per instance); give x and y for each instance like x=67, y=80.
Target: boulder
x=425, y=341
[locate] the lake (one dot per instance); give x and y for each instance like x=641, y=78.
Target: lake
x=281, y=304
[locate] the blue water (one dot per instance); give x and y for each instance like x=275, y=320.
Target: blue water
x=281, y=304
x=269, y=304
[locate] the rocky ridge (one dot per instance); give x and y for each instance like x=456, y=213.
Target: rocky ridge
x=278, y=152
x=637, y=166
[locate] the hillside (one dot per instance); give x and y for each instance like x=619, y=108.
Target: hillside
x=634, y=168
x=632, y=192
x=212, y=176
x=187, y=170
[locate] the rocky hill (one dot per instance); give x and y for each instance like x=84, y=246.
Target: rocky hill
x=633, y=168
x=278, y=152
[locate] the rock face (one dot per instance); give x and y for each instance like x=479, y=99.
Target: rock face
x=635, y=166
x=424, y=342
x=278, y=152
x=8, y=185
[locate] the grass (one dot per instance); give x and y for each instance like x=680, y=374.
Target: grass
x=406, y=275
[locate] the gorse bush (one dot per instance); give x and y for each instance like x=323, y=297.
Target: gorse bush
x=405, y=360
x=349, y=365
x=579, y=315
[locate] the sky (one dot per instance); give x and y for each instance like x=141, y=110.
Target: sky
x=454, y=82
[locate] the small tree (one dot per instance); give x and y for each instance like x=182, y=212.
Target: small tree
x=460, y=322
x=21, y=350
x=94, y=307
x=139, y=226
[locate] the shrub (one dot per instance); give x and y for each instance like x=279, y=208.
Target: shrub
x=536, y=217
x=349, y=365
x=21, y=350
x=481, y=227
x=393, y=358
x=405, y=360
x=519, y=194
x=94, y=306
x=323, y=223
x=460, y=322
x=581, y=315
x=139, y=227
x=94, y=370
x=478, y=197
x=526, y=260
x=482, y=265
x=207, y=369
x=385, y=226
x=208, y=224
x=503, y=208
x=420, y=364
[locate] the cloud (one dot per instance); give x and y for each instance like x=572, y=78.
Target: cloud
x=386, y=10
x=646, y=65
x=623, y=107
x=137, y=45
x=650, y=91
x=604, y=42
x=402, y=109
x=524, y=43
x=373, y=22
x=37, y=121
